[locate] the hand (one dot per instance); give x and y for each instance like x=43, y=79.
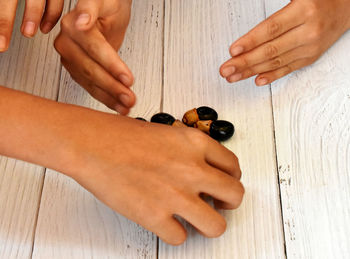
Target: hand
x=153, y=172
x=45, y=13
x=290, y=39
x=147, y=172
x=90, y=37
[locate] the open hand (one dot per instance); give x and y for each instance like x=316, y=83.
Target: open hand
x=290, y=39
x=88, y=43
x=43, y=13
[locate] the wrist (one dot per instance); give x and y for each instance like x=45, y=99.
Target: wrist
x=48, y=133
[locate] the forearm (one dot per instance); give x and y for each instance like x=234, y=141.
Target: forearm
x=40, y=131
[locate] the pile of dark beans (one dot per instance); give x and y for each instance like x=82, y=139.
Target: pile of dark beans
x=203, y=118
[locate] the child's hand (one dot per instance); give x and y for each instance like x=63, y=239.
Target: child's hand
x=45, y=13
x=90, y=37
x=147, y=172
x=151, y=172
x=292, y=38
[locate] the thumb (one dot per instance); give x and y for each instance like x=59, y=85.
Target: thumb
x=87, y=12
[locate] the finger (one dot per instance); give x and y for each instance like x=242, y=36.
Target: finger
x=53, y=12
x=223, y=187
x=93, y=90
x=93, y=72
x=98, y=48
x=86, y=14
x=220, y=157
x=7, y=17
x=269, y=77
x=267, y=51
x=122, y=109
x=273, y=64
x=170, y=230
x=203, y=217
x=284, y=20
x=33, y=13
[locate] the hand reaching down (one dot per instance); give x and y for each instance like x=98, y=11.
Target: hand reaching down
x=88, y=43
x=290, y=39
x=150, y=172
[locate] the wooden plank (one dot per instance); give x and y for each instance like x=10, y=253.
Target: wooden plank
x=30, y=65
x=197, y=36
x=72, y=223
x=20, y=190
x=312, y=118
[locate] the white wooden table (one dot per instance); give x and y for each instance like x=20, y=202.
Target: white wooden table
x=293, y=141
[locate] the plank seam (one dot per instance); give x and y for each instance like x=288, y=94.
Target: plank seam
x=37, y=213
x=278, y=172
x=163, y=60
x=276, y=160
x=162, y=89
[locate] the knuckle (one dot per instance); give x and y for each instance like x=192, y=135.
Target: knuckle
x=92, y=48
x=4, y=23
x=196, y=137
x=312, y=9
x=88, y=72
x=276, y=63
x=314, y=36
x=245, y=62
x=65, y=23
x=35, y=10
x=250, y=39
x=271, y=51
x=273, y=28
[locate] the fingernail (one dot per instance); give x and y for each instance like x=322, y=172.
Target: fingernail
x=83, y=19
x=227, y=71
x=262, y=81
x=124, y=99
x=46, y=27
x=235, y=78
x=2, y=43
x=236, y=51
x=29, y=29
x=125, y=80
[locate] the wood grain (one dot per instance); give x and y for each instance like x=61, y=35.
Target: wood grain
x=20, y=190
x=197, y=36
x=312, y=118
x=310, y=110
x=72, y=223
x=32, y=66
